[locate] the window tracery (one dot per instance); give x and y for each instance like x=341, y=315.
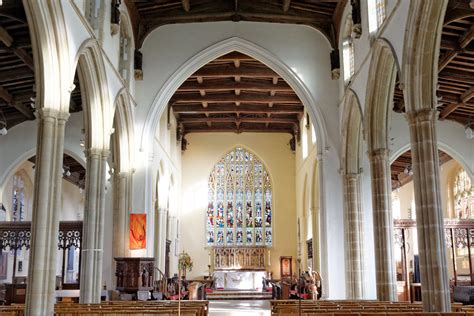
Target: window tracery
x=240, y=203
x=376, y=14
x=463, y=195
x=18, y=199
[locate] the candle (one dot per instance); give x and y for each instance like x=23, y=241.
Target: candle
x=209, y=258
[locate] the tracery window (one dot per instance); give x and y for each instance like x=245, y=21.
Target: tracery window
x=240, y=207
x=18, y=199
x=376, y=13
x=348, y=50
x=463, y=196
x=348, y=58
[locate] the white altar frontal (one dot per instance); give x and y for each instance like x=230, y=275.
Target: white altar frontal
x=239, y=280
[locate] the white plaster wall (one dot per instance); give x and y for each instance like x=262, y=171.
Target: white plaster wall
x=451, y=139
x=20, y=144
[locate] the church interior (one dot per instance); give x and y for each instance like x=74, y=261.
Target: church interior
x=244, y=157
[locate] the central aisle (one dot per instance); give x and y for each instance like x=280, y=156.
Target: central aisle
x=239, y=308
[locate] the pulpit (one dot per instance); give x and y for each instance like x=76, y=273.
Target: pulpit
x=134, y=274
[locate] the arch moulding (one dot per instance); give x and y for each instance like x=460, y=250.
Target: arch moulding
x=214, y=51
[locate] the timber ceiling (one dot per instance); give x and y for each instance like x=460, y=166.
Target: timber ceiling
x=17, y=78
x=236, y=93
x=456, y=66
x=323, y=15
x=401, y=167
x=76, y=174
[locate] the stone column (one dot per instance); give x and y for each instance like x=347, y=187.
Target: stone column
x=429, y=214
x=121, y=207
x=40, y=295
x=93, y=230
x=315, y=229
x=354, y=237
x=383, y=225
x=161, y=221
x=121, y=213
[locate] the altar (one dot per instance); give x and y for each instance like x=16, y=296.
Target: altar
x=238, y=280
x=239, y=268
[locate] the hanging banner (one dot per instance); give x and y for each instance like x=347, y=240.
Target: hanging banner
x=137, y=231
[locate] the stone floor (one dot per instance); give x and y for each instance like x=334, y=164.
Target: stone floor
x=239, y=308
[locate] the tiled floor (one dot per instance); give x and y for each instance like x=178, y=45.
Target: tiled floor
x=239, y=308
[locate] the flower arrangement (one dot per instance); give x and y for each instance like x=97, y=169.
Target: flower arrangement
x=185, y=262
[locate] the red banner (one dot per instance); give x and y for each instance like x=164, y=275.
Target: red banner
x=137, y=231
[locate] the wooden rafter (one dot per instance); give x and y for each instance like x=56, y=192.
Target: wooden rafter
x=236, y=93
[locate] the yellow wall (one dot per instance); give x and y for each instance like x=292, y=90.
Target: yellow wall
x=305, y=182
x=204, y=150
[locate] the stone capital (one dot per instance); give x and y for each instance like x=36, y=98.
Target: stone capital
x=49, y=113
x=351, y=176
x=379, y=154
x=97, y=153
x=420, y=116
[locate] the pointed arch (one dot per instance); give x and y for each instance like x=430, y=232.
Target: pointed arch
x=421, y=53
x=98, y=109
x=207, y=55
x=352, y=135
x=379, y=97
x=123, y=137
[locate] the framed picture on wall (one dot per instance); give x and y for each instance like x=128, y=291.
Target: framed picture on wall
x=286, y=267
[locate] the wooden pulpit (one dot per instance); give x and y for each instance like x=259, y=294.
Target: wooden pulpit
x=134, y=274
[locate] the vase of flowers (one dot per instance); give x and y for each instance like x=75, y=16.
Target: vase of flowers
x=185, y=263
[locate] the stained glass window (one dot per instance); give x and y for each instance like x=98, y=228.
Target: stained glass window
x=240, y=204
x=18, y=199
x=463, y=196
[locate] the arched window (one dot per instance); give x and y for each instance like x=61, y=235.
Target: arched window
x=348, y=50
x=18, y=199
x=125, y=52
x=376, y=14
x=240, y=203
x=94, y=13
x=463, y=196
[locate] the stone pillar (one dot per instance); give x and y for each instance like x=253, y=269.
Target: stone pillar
x=354, y=237
x=315, y=229
x=93, y=230
x=121, y=205
x=429, y=214
x=161, y=221
x=383, y=225
x=40, y=295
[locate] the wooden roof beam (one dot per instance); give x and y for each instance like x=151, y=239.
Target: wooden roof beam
x=186, y=5
x=240, y=120
x=450, y=108
x=223, y=85
x=463, y=41
x=286, y=5
x=243, y=108
x=231, y=71
x=241, y=129
x=21, y=53
x=223, y=98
